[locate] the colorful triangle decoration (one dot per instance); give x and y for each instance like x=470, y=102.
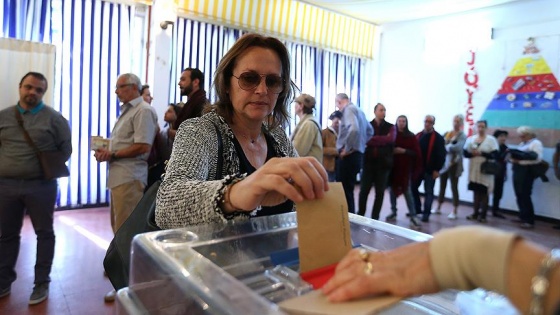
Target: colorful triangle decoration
x=529, y=95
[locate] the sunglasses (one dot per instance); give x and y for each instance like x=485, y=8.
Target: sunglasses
x=250, y=80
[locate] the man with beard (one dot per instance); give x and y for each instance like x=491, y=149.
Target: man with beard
x=191, y=84
x=378, y=162
x=23, y=187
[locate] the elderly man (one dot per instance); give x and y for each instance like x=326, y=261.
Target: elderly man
x=354, y=131
x=23, y=187
x=432, y=146
x=131, y=140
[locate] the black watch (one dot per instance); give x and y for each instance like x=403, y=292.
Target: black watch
x=114, y=156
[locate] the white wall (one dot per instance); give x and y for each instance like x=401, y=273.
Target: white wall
x=18, y=57
x=422, y=64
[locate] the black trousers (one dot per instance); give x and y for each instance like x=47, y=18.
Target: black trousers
x=523, y=187
x=499, y=180
x=346, y=171
x=37, y=198
x=373, y=176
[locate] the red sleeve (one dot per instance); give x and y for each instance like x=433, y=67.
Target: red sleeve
x=378, y=141
x=417, y=161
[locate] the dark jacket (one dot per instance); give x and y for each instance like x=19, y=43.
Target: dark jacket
x=379, y=148
x=193, y=108
x=433, y=160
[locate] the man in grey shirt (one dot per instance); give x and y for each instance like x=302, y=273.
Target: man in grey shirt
x=131, y=141
x=354, y=131
x=22, y=184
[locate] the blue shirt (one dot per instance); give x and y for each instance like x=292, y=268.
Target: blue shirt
x=354, y=130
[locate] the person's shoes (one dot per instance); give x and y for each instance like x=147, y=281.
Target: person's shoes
x=482, y=220
x=452, y=216
x=556, y=227
x=391, y=217
x=39, y=294
x=414, y=224
x=472, y=217
x=516, y=221
x=425, y=220
x=110, y=296
x=526, y=225
x=436, y=211
x=6, y=291
x=498, y=215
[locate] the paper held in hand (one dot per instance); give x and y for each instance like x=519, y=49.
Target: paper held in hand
x=98, y=142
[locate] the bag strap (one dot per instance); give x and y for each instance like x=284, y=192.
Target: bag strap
x=319, y=127
x=219, y=167
x=25, y=133
x=431, y=146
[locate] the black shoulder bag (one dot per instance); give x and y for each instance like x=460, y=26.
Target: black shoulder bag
x=53, y=163
x=490, y=167
x=141, y=220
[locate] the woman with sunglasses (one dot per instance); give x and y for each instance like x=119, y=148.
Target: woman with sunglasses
x=258, y=172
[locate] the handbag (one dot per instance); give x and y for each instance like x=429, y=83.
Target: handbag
x=141, y=220
x=117, y=258
x=490, y=167
x=53, y=162
x=539, y=170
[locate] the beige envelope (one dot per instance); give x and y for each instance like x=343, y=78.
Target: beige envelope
x=323, y=229
x=315, y=303
x=324, y=239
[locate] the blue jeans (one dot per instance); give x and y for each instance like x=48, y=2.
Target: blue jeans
x=407, y=196
x=37, y=197
x=429, y=183
x=346, y=171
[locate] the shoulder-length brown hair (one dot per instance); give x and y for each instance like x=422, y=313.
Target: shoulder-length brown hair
x=222, y=81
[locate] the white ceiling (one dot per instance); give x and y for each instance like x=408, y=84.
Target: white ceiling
x=387, y=11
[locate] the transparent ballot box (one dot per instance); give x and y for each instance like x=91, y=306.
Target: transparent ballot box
x=230, y=268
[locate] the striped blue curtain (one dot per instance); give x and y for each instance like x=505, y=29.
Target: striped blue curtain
x=317, y=72
x=26, y=20
x=199, y=45
x=94, y=45
x=323, y=74
x=94, y=42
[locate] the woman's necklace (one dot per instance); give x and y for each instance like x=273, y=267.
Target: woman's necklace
x=251, y=139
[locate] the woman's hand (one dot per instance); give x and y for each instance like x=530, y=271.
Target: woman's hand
x=279, y=179
x=404, y=271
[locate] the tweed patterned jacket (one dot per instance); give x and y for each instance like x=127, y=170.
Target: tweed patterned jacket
x=189, y=193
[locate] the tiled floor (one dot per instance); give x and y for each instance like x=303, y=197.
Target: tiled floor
x=78, y=285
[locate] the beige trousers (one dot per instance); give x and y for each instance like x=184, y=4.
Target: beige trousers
x=124, y=199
